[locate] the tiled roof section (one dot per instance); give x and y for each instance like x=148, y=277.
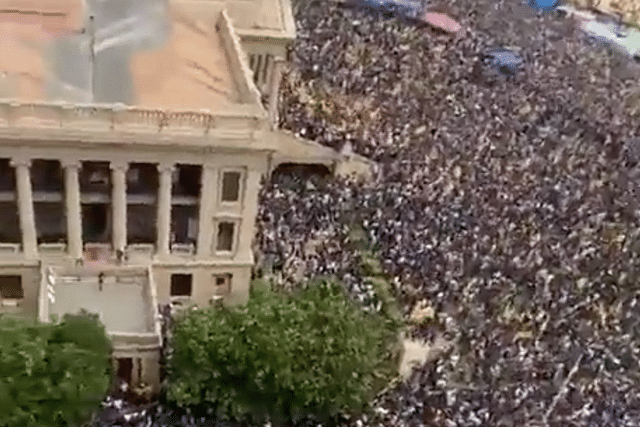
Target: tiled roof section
x=145, y=54
x=190, y=70
x=269, y=15
x=27, y=30
x=54, y=16
x=258, y=14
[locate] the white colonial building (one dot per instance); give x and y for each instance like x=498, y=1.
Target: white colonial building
x=133, y=141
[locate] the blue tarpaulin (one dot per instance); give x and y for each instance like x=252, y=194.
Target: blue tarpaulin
x=544, y=5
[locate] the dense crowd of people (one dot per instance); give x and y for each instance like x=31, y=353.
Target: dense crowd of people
x=509, y=204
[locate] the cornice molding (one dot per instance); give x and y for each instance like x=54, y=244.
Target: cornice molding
x=20, y=161
x=232, y=140
x=70, y=164
x=165, y=167
x=119, y=165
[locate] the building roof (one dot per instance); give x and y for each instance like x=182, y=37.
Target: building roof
x=270, y=18
x=290, y=148
x=145, y=53
x=195, y=67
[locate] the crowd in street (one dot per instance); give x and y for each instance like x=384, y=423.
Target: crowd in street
x=508, y=204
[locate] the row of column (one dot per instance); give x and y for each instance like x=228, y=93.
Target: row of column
x=119, y=205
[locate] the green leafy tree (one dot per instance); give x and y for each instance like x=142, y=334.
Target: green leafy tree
x=281, y=358
x=52, y=374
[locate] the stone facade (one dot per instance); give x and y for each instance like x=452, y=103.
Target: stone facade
x=202, y=256
x=117, y=207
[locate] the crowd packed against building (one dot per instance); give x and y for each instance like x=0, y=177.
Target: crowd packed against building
x=509, y=205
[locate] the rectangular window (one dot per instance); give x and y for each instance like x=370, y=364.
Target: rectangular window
x=47, y=176
x=225, y=236
x=222, y=283
x=268, y=64
x=11, y=287
x=181, y=285
x=231, y=186
x=10, y=290
x=187, y=180
x=133, y=176
x=258, y=67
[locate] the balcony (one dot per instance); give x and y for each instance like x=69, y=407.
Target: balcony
x=141, y=252
x=10, y=248
x=52, y=249
x=183, y=249
x=124, y=299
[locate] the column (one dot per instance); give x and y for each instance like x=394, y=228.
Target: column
x=25, y=208
x=274, y=91
x=249, y=214
x=163, y=222
x=208, y=198
x=74, y=216
x=119, y=203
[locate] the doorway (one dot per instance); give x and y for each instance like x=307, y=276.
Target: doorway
x=95, y=222
x=125, y=369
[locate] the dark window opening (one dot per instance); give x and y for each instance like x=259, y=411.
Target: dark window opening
x=225, y=236
x=47, y=176
x=181, y=285
x=9, y=223
x=256, y=71
x=222, y=283
x=95, y=177
x=141, y=223
x=95, y=223
x=222, y=280
x=51, y=222
x=184, y=224
x=142, y=178
x=7, y=176
x=186, y=180
x=125, y=369
x=230, y=186
x=11, y=287
x=302, y=171
x=268, y=61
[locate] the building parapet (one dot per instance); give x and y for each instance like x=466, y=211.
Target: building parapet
x=10, y=248
x=118, y=117
x=154, y=313
x=43, y=298
x=107, y=270
x=144, y=339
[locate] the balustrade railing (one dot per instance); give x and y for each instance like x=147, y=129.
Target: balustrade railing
x=144, y=338
x=116, y=116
